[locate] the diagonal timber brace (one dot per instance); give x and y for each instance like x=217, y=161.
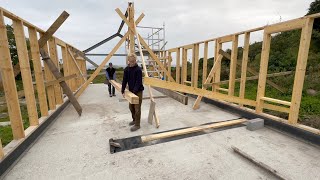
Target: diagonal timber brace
x=52, y=67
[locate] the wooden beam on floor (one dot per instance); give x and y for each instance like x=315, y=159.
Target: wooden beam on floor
x=258, y=163
x=180, y=132
x=129, y=96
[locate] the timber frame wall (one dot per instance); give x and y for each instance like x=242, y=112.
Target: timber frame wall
x=49, y=93
x=212, y=78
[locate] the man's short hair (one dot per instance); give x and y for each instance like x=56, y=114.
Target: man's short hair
x=132, y=55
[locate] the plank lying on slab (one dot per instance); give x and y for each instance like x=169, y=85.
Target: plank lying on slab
x=152, y=137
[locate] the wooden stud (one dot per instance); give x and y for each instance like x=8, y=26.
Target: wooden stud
x=54, y=57
x=178, y=65
x=244, y=65
x=184, y=65
x=66, y=62
x=49, y=77
x=25, y=72
x=300, y=70
x=263, y=71
x=216, y=76
x=35, y=54
x=96, y=72
x=192, y=66
x=233, y=65
x=169, y=63
x=9, y=84
x=196, y=65
x=205, y=63
x=1, y=151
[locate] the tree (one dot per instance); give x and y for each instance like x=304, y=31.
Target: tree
x=313, y=9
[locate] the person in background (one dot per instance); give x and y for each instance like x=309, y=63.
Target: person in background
x=111, y=75
x=133, y=77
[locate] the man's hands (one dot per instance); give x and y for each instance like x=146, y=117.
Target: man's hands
x=123, y=95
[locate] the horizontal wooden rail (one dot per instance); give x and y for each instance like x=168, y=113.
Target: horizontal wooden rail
x=50, y=83
x=197, y=91
x=223, y=89
x=276, y=101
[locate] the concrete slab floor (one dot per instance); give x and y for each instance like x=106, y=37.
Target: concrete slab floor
x=77, y=147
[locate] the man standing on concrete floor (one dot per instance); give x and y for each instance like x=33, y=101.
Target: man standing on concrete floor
x=111, y=75
x=133, y=77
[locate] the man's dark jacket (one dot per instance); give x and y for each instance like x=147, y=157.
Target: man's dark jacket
x=132, y=76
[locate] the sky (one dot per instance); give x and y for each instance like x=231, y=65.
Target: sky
x=186, y=21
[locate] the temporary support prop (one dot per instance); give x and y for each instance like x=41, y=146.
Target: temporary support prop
x=55, y=71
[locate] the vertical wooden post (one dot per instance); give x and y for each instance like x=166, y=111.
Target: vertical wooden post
x=70, y=71
x=65, y=64
x=216, y=77
x=184, y=66
x=169, y=64
x=178, y=66
x=233, y=65
x=9, y=84
x=54, y=58
x=196, y=65
x=35, y=54
x=263, y=71
x=49, y=77
x=300, y=71
x=205, y=63
x=244, y=65
x=192, y=65
x=1, y=151
x=25, y=72
x=131, y=33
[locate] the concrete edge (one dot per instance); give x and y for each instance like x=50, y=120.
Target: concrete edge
x=174, y=95
x=291, y=130
x=11, y=158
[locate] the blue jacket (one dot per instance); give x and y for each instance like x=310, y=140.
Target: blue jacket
x=133, y=77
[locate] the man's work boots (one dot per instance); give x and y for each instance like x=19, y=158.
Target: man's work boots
x=132, y=123
x=134, y=128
